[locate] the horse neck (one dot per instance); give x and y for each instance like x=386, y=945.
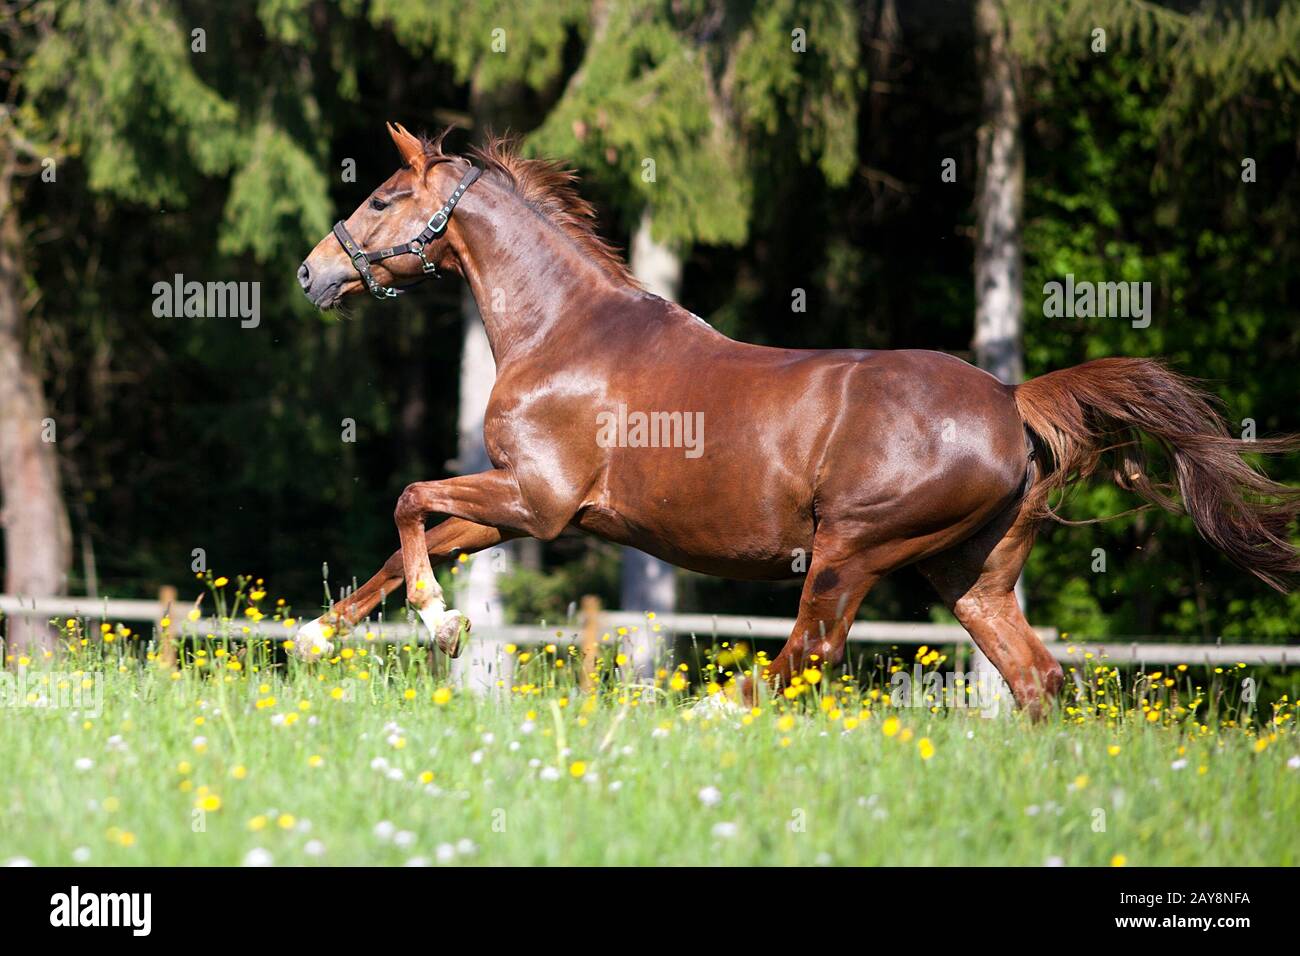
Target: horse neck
x=527, y=276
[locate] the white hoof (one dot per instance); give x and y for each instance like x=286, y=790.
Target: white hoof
x=448, y=627
x=311, y=643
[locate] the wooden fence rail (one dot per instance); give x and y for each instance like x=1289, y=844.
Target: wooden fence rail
x=583, y=630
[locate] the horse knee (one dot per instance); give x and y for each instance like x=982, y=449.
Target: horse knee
x=409, y=507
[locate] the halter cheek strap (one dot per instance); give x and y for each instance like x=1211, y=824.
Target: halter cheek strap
x=435, y=227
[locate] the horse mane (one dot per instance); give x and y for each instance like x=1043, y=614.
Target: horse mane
x=547, y=187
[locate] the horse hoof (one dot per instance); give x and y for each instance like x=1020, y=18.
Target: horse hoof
x=311, y=643
x=451, y=636
x=449, y=629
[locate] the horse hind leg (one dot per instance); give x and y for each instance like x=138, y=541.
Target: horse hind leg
x=839, y=577
x=992, y=617
x=977, y=581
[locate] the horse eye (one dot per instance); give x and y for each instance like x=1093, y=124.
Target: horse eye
x=378, y=205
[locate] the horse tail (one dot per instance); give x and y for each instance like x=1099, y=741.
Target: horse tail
x=1121, y=413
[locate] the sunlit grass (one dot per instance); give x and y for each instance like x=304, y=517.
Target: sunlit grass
x=241, y=756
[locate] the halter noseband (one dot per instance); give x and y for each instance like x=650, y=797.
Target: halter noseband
x=436, y=226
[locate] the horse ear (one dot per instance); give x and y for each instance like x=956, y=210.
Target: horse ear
x=407, y=144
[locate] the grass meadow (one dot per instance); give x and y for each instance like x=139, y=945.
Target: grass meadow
x=239, y=756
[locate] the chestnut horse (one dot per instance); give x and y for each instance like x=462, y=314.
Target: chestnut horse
x=866, y=461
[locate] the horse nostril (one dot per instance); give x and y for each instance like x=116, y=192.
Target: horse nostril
x=304, y=275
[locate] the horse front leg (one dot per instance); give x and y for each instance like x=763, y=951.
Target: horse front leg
x=491, y=499
x=443, y=543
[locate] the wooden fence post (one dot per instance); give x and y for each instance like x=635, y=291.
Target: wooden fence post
x=590, y=639
x=167, y=597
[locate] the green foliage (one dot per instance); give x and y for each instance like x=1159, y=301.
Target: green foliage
x=809, y=96
x=707, y=114
x=643, y=96
x=1218, y=258
x=279, y=192
x=287, y=22
x=1210, y=59
x=115, y=80
x=493, y=42
x=217, y=165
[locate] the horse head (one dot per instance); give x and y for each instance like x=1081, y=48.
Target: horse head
x=398, y=235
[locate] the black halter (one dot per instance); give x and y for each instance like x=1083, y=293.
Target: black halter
x=436, y=226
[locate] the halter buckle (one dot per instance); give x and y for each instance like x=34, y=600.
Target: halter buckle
x=438, y=221
x=428, y=267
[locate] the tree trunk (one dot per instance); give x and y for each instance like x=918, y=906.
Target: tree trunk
x=999, y=206
x=650, y=584
x=484, y=662
x=999, y=203
x=37, y=535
